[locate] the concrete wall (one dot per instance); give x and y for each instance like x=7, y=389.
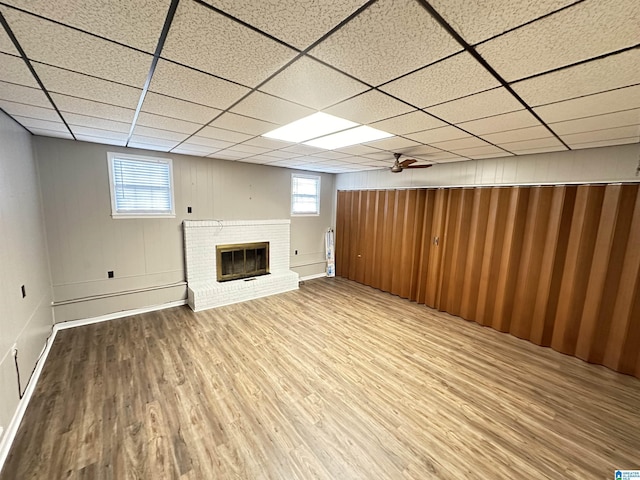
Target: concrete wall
x=146, y=255
x=23, y=261
x=606, y=164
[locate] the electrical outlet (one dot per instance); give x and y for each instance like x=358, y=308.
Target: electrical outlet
x=14, y=350
x=110, y=274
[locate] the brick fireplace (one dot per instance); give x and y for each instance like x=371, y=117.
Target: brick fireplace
x=202, y=239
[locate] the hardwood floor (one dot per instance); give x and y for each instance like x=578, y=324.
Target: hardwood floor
x=334, y=381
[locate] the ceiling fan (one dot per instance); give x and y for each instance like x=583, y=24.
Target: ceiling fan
x=398, y=165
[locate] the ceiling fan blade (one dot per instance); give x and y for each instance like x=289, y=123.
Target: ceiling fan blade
x=407, y=162
x=419, y=166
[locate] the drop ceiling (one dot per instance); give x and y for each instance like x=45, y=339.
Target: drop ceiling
x=452, y=79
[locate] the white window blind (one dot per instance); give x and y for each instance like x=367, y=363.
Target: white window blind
x=305, y=195
x=140, y=186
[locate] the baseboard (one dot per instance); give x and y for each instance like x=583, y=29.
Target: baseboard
x=113, y=316
x=311, y=277
x=9, y=435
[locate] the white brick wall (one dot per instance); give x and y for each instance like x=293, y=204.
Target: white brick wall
x=200, y=240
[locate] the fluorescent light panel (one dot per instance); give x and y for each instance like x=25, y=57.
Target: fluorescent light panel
x=313, y=126
x=345, y=138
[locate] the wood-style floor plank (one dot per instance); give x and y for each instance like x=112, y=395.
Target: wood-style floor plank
x=336, y=380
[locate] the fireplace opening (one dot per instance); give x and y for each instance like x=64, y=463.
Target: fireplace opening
x=243, y=260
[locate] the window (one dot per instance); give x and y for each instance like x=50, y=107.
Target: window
x=140, y=186
x=305, y=194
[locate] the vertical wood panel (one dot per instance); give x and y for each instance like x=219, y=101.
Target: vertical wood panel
x=369, y=239
x=397, y=264
x=432, y=291
x=354, y=244
x=426, y=242
x=342, y=233
x=387, y=240
x=416, y=245
x=378, y=267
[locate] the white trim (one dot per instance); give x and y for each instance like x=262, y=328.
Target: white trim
x=121, y=314
x=6, y=441
x=311, y=277
x=318, y=179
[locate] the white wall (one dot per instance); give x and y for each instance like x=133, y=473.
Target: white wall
x=147, y=254
x=23, y=261
x=606, y=164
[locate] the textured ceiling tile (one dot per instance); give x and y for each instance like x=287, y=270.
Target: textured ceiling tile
x=223, y=134
x=6, y=45
x=499, y=123
x=460, y=143
x=204, y=149
x=101, y=139
x=31, y=111
x=78, y=85
x=606, y=143
x=167, y=123
x=423, y=151
x=181, y=82
x=393, y=143
x=44, y=132
x=437, y=135
x=94, y=122
x=283, y=154
x=616, y=71
x=180, y=109
x=54, y=126
x=152, y=143
x=599, y=122
x=477, y=21
x=27, y=95
x=298, y=23
x=97, y=134
x=485, y=104
x=527, y=145
x=269, y=143
x=388, y=39
x=262, y=159
x=246, y=125
x=606, y=102
x=310, y=83
x=14, y=70
x=66, y=103
x=137, y=24
x=486, y=151
x=369, y=107
x=210, y=143
x=606, y=134
x=586, y=30
x=67, y=48
x=408, y=123
x=331, y=155
x=492, y=154
x=249, y=149
x=184, y=149
x=208, y=41
x=359, y=150
x=272, y=109
x=528, y=133
x=231, y=154
x=159, y=133
x=452, y=78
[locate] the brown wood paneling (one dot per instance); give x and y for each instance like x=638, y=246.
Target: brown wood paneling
x=416, y=243
x=354, y=244
x=378, y=267
x=387, y=241
x=342, y=233
x=432, y=291
x=369, y=238
x=425, y=244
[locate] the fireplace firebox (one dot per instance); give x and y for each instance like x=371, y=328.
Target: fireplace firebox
x=243, y=260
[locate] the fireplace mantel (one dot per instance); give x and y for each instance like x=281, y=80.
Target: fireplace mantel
x=201, y=237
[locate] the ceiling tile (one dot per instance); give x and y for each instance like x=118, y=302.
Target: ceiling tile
x=597, y=104
x=393, y=143
x=298, y=23
x=27, y=95
x=605, y=134
x=182, y=82
x=31, y=111
x=530, y=151
x=98, y=135
x=485, y=104
x=359, y=150
x=242, y=124
x=460, y=143
x=66, y=103
x=301, y=149
x=598, y=122
x=269, y=143
x=388, y=39
x=486, y=151
x=44, y=132
x=209, y=143
x=102, y=140
x=195, y=150
x=310, y=83
x=438, y=135
x=283, y=154
x=180, y=109
x=477, y=21
x=462, y=75
x=204, y=39
x=272, y=109
x=83, y=86
x=528, y=133
x=6, y=45
x=74, y=50
x=231, y=154
x=585, y=30
x=14, y=70
x=262, y=159
x=615, y=71
x=369, y=107
x=54, y=126
x=152, y=143
x=159, y=133
x=423, y=151
x=330, y=155
x=606, y=143
x=224, y=135
x=499, y=123
x=527, y=145
x=241, y=147
x=95, y=122
x=491, y=154
x=135, y=24
x=408, y=123
x=166, y=123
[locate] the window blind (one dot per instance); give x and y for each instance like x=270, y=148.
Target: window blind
x=142, y=186
x=305, y=195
